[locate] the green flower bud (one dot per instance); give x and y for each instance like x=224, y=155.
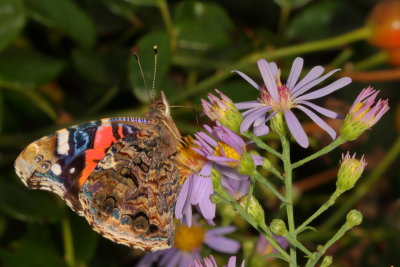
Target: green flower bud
x=267, y=164
x=326, y=261
x=278, y=227
x=354, y=218
x=215, y=198
x=246, y=164
x=216, y=180
x=223, y=110
x=254, y=210
x=350, y=171
x=365, y=112
x=277, y=124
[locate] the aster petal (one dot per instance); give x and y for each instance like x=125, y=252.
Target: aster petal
x=207, y=209
x=313, y=74
x=318, y=121
x=247, y=112
x=258, y=160
x=170, y=258
x=268, y=78
x=261, y=130
x=328, y=113
x=183, y=208
x=312, y=83
x=219, y=159
x=222, y=244
x=232, y=262
x=220, y=231
x=296, y=129
x=248, y=79
x=247, y=104
x=231, y=173
x=295, y=71
x=326, y=90
x=187, y=259
x=274, y=68
x=249, y=119
x=205, y=137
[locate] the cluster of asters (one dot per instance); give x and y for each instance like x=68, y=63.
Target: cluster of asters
x=222, y=148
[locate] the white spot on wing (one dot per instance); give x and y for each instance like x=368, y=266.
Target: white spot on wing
x=56, y=169
x=62, y=143
x=72, y=170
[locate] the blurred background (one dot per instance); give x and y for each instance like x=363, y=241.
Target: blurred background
x=63, y=62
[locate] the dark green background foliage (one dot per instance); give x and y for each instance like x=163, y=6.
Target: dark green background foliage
x=63, y=62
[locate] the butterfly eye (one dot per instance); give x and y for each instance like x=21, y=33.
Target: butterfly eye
x=38, y=158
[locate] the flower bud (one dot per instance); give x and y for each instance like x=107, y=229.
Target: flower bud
x=364, y=113
x=246, y=164
x=354, y=218
x=277, y=124
x=254, y=209
x=223, y=110
x=326, y=261
x=278, y=227
x=350, y=171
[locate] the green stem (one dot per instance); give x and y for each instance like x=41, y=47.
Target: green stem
x=262, y=180
x=337, y=142
x=289, y=198
x=300, y=49
x=263, y=229
x=251, y=190
x=68, y=242
x=163, y=6
x=365, y=187
x=299, y=245
x=283, y=19
x=323, y=208
x=261, y=144
x=313, y=260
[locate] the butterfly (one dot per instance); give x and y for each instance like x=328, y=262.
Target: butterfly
x=121, y=174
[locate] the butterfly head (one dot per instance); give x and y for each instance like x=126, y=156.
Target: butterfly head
x=160, y=106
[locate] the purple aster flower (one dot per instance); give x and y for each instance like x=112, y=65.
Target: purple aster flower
x=276, y=97
x=263, y=247
x=187, y=246
x=210, y=262
x=202, y=155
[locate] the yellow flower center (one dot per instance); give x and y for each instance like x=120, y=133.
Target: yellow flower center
x=224, y=150
x=187, y=239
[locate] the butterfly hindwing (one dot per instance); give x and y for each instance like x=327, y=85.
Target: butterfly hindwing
x=129, y=197
x=62, y=161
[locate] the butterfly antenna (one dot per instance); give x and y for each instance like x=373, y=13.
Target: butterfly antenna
x=135, y=53
x=153, y=88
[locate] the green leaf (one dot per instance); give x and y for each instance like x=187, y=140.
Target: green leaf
x=202, y=25
x=12, y=20
x=90, y=66
x=32, y=254
x=67, y=17
x=291, y=3
x=25, y=66
x=323, y=20
x=146, y=55
x=84, y=238
x=144, y=2
x=28, y=205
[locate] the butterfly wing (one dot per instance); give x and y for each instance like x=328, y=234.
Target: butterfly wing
x=130, y=196
x=61, y=162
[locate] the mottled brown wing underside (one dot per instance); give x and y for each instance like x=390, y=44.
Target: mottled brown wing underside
x=130, y=196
